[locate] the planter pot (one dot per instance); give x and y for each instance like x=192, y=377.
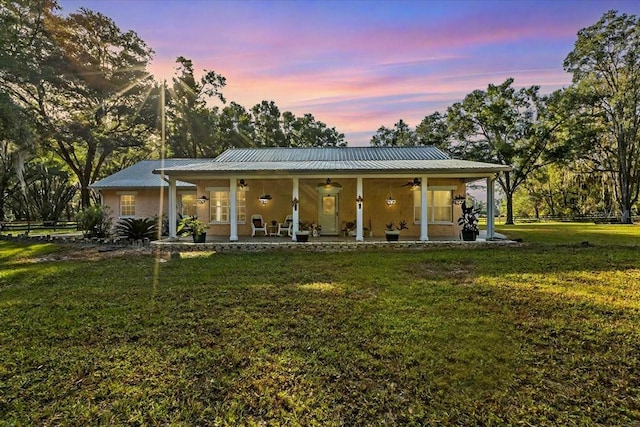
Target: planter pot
x=392, y=236
x=199, y=238
x=302, y=236
x=468, y=236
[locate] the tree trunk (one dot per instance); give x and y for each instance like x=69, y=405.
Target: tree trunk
x=85, y=193
x=509, y=209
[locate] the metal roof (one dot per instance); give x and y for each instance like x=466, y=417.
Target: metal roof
x=344, y=159
x=141, y=175
x=442, y=166
x=330, y=154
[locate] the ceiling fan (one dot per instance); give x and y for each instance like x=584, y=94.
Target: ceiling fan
x=414, y=183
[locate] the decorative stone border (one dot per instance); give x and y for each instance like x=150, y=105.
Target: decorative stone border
x=226, y=247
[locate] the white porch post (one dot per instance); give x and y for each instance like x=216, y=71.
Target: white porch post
x=359, y=206
x=490, y=207
x=424, y=228
x=233, y=209
x=296, y=210
x=172, y=208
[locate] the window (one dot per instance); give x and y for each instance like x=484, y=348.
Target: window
x=440, y=206
x=188, y=205
x=127, y=205
x=219, y=206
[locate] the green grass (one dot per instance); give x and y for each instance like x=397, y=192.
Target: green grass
x=534, y=335
x=573, y=233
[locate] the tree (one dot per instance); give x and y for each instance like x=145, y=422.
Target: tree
x=85, y=81
x=16, y=142
x=306, y=131
x=234, y=127
x=192, y=123
x=266, y=122
x=605, y=64
x=434, y=131
x=401, y=135
x=519, y=128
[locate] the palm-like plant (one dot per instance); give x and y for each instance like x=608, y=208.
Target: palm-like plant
x=137, y=228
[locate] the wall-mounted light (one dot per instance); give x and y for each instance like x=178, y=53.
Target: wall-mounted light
x=459, y=199
x=294, y=203
x=328, y=185
x=202, y=199
x=242, y=184
x=359, y=200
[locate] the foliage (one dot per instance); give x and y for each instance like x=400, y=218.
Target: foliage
x=85, y=82
x=605, y=64
x=402, y=225
x=95, y=221
x=400, y=135
x=534, y=335
x=304, y=225
x=48, y=194
x=469, y=218
x=517, y=128
x=191, y=130
x=137, y=228
x=191, y=225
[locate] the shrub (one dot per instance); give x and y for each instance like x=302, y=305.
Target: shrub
x=137, y=228
x=94, y=221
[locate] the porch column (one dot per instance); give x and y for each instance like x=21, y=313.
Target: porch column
x=424, y=228
x=172, y=208
x=295, y=194
x=490, y=207
x=233, y=209
x=359, y=206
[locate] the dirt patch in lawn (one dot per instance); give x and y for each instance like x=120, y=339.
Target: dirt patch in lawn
x=92, y=253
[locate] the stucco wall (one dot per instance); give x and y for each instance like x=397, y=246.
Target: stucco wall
x=147, y=201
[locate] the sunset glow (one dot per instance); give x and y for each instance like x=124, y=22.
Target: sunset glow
x=358, y=65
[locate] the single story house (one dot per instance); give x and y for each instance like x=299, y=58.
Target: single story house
x=354, y=190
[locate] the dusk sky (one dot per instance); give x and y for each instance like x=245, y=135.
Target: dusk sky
x=358, y=65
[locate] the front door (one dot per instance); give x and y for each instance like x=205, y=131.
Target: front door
x=328, y=213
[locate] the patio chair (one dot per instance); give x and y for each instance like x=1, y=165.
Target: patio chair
x=258, y=224
x=286, y=226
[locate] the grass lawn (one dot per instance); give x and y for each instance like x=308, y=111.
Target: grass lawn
x=543, y=334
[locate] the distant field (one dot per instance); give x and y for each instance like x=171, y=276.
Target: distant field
x=544, y=334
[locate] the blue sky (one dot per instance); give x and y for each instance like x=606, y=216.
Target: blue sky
x=358, y=65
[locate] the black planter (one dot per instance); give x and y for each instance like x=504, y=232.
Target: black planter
x=199, y=238
x=302, y=237
x=392, y=237
x=468, y=236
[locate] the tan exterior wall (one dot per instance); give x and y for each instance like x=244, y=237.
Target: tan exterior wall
x=147, y=201
x=376, y=213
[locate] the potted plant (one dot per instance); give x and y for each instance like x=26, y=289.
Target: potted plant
x=193, y=226
x=469, y=223
x=302, y=235
x=393, y=234
x=315, y=229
